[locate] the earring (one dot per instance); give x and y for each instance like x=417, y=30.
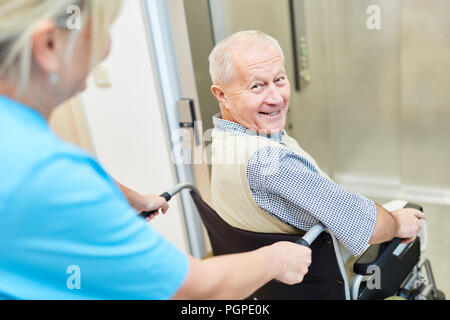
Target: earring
x=54, y=78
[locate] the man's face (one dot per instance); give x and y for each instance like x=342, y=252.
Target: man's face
x=258, y=96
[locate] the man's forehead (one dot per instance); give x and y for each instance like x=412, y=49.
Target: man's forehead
x=251, y=60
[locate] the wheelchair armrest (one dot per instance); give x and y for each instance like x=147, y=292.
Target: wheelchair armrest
x=379, y=254
x=376, y=255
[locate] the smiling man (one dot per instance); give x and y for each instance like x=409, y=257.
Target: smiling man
x=241, y=88
x=262, y=180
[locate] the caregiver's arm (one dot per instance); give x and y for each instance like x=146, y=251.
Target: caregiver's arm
x=144, y=202
x=237, y=276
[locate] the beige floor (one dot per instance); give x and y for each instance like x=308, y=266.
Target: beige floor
x=438, y=251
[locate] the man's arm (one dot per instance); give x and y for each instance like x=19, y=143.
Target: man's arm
x=403, y=224
x=237, y=276
x=291, y=188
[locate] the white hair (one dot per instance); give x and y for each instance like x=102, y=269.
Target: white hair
x=220, y=60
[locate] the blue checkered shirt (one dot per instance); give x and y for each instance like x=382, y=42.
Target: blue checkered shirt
x=291, y=188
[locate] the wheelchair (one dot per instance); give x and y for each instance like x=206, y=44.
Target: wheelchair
x=391, y=270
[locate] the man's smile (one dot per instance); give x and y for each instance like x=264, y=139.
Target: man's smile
x=271, y=113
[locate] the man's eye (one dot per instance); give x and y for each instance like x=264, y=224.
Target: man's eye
x=256, y=86
x=280, y=79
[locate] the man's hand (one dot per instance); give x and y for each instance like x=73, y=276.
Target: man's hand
x=408, y=223
x=294, y=259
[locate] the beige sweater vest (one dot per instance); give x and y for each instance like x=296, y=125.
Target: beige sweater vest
x=230, y=191
x=231, y=194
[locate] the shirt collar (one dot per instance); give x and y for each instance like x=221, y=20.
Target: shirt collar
x=22, y=111
x=238, y=129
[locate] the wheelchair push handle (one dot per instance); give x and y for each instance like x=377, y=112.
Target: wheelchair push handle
x=311, y=235
x=170, y=194
x=166, y=196
x=147, y=214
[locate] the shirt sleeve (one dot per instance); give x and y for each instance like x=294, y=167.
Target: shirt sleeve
x=289, y=187
x=73, y=235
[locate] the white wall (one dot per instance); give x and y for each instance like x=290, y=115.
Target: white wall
x=128, y=124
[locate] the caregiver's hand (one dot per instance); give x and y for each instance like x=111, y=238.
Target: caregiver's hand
x=150, y=203
x=144, y=203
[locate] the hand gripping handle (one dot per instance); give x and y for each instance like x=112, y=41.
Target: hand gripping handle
x=311, y=235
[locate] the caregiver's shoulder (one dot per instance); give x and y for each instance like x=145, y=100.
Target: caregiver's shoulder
x=28, y=146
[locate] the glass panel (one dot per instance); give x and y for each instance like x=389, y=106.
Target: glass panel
x=426, y=97
x=366, y=83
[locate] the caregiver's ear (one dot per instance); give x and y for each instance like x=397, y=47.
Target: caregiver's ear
x=47, y=45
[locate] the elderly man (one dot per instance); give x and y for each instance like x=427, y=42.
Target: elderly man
x=262, y=180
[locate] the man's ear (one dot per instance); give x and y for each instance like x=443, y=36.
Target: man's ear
x=45, y=47
x=220, y=95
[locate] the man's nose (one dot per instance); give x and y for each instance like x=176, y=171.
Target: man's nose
x=274, y=96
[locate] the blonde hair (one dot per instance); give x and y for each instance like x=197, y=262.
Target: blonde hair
x=220, y=60
x=20, y=18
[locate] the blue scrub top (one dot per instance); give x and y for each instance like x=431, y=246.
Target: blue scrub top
x=66, y=230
